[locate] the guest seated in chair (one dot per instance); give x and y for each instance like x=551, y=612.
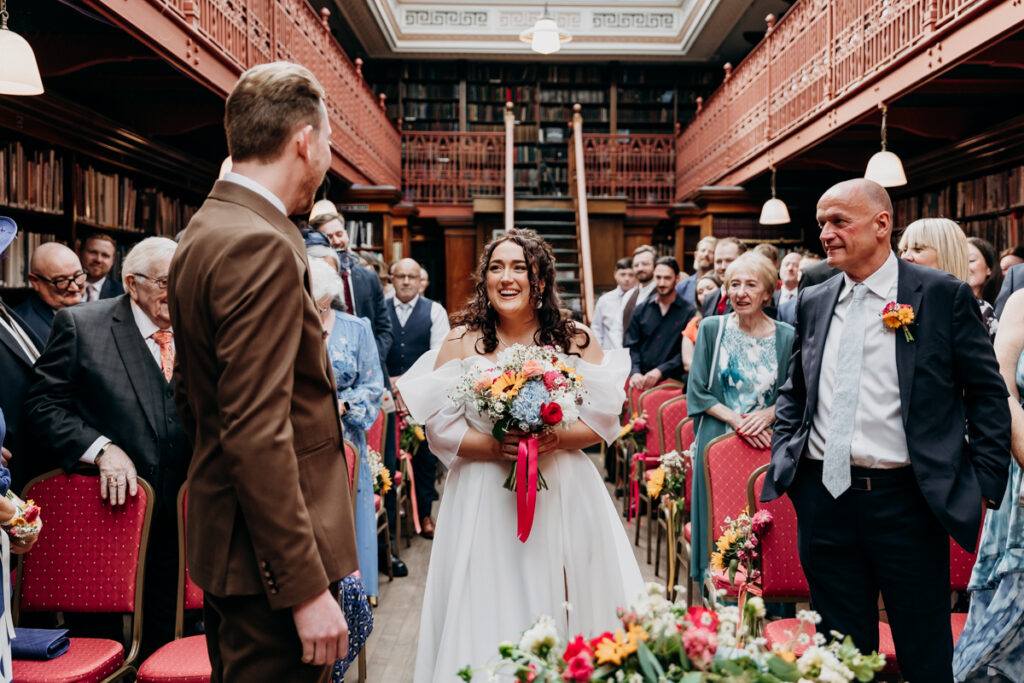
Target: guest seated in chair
x=103, y=394
x=739, y=363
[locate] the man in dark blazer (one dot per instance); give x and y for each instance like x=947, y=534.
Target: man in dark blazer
x=103, y=394
x=888, y=441
x=97, y=255
x=270, y=525
x=727, y=250
x=19, y=349
x=816, y=273
x=1013, y=281
x=57, y=280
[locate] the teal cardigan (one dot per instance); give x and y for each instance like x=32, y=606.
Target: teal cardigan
x=706, y=428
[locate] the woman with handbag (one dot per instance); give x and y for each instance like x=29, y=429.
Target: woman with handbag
x=739, y=363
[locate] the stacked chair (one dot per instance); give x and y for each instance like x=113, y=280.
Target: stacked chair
x=683, y=438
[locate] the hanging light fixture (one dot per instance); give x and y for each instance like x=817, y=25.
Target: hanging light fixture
x=885, y=168
x=19, y=74
x=774, y=211
x=544, y=37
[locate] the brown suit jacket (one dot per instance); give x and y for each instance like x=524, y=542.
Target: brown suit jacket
x=269, y=504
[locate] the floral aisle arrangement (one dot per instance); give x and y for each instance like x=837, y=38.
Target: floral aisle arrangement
x=410, y=436
x=529, y=390
x=739, y=545
x=669, y=480
x=661, y=641
x=633, y=435
x=379, y=475
x=26, y=520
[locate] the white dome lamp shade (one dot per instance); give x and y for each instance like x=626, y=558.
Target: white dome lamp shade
x=774, y=211
x=885, y=168
x=19, y=73
x=545, y=38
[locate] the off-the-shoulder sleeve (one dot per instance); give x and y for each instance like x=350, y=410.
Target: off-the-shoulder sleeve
x=606, y=392
x=426, y=394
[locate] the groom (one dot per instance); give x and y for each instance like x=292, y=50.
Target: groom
x=887, y=445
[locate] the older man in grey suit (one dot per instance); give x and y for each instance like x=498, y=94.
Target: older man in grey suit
x=103, y=393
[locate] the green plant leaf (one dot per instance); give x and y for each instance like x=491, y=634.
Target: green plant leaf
x=782, y=669
x=649, y=664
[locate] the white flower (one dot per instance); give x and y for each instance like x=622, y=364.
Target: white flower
x=808, y=616
x=756, y=604
x=804, y=639
x=567, y=606
x=619, y=676
x=543, y=633
x=636, y=678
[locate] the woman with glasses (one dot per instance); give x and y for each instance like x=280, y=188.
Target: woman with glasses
x=57, y=278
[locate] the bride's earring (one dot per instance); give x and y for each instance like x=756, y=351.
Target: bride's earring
x=540, y=303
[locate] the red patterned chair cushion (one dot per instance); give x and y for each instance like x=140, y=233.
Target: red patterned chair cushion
x=961, y=563
x=782, y=576
x=670, y=414
x=88, y=660
x=728, y=465
x=88, y=557
x=375, y=434
x=650, y=401
x=686, y=435
x=180, y=661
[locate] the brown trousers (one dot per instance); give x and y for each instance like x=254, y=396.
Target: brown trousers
x=250, y=643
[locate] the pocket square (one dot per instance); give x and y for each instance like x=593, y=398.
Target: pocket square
x=39, y=643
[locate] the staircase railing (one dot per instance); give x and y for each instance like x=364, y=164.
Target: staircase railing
x=510, y=149
x=578, y=189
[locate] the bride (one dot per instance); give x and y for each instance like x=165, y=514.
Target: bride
x=484, y=586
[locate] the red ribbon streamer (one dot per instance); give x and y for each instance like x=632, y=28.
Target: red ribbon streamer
x=634, y=489
x=526, y=486
x=405, y=455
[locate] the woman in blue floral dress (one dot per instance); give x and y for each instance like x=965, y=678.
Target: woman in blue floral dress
x=360, y=384
x=991, y=647
x=739, y=363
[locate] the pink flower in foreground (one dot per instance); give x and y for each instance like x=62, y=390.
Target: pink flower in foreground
x=533, y=368
x=553, y=379
x=700, y=646
x=702, y=618
x=483, y=383
x=581, y=668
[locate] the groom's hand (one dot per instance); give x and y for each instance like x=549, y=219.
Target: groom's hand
x=322, y=629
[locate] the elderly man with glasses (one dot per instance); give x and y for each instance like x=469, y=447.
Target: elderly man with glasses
x=58, y=279
x=103, y=393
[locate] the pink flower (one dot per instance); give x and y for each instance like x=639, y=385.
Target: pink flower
x=700, y=645
x=702, y=618
x=575, y=647
x=533, y=368
x=483, y=383
x=639, y=425
x=761, y=520
x=553, y=379
x=581, y=668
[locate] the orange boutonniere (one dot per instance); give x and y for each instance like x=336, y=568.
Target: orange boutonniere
x=899, y=316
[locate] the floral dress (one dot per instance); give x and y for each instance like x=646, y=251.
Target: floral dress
x=748, y=367
x=359, y=380
x=993, y=638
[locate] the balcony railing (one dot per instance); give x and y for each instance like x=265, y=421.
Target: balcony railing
x=639, y=167
x=452, y=168
x=257, y=31
x=821, y=52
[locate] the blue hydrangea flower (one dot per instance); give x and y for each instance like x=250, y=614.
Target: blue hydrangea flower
x=526, y=405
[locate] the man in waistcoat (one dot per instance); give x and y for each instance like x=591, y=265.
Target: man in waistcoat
x=418, y=325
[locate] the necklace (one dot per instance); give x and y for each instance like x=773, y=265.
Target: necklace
x=503, y=342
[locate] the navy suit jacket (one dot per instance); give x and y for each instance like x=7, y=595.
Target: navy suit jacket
x=111, y=287
x=686, y=289
x=368, y=296
x=16, y=371
x=954, y=407
x=1013, y=281
x=37, y=315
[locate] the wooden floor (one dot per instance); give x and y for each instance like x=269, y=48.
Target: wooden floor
x=391, y=650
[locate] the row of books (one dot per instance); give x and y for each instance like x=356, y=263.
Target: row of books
x=430, y=110
x=499, y=93
x=525, y=154
x=628, y=96
x=496, y=112
x=31, y=180
x=113, y=201
x=14, y=266
x=990, y=193
x=1002, y=231
x=360, y=234
x=571, y=97
x=446, y=90
x=663, y=115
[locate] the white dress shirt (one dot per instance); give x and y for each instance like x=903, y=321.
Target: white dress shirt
x=607, y=322
x=146, y=328
x=879, y=439
x=645, y=293
x=248, y=183
x=439, y=326
x=20, y=336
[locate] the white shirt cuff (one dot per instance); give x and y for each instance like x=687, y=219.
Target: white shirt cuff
x=94, y=450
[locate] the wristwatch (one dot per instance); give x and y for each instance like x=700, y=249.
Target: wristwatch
x=103, y=449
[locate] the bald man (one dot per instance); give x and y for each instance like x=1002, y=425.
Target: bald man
x=888, y=441
x=418, y=325
x=58, y=280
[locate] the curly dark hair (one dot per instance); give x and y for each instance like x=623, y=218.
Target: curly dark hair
x=556, y=327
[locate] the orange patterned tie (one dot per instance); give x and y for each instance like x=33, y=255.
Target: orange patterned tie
x=164, y=339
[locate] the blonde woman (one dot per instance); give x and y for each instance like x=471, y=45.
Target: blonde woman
x=940, y=243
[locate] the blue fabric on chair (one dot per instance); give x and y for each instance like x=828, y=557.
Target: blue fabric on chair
x=39, y=643
x=360, y=622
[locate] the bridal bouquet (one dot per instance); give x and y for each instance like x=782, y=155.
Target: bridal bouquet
x=664, y=641
x=26, y=520
x=530, y=390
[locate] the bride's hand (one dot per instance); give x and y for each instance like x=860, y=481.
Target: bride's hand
x=547, y=443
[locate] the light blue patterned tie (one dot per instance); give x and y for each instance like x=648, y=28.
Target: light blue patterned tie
x=842, y=416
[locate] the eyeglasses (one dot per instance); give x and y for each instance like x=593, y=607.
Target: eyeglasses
x=63, y=284
x=405, y=277
x=160, y=282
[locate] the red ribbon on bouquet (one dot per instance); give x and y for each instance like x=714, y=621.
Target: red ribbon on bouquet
x=634, y=489
x=526, y=486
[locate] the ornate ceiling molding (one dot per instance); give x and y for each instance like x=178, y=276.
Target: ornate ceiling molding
x=643, y=29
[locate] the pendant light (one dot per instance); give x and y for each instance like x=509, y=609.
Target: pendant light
x=545, y=38
x=885, y=168
x=774, y=211
x=19, y=74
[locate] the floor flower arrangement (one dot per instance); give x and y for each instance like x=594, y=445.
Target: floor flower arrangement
x=667, y=642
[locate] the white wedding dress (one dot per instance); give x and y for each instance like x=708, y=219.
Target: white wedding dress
x=484, y=586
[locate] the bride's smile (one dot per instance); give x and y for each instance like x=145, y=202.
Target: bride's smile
x=508, y=280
